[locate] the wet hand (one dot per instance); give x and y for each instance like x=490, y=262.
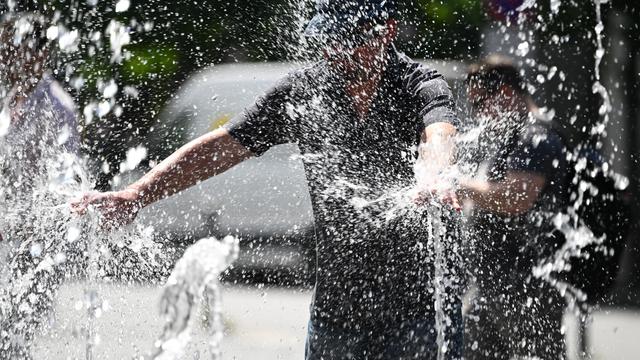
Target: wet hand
x=117, y=207
x=443, y=196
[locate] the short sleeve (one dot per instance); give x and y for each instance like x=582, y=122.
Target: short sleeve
x=432, y=95
x=265, y=123
x=63, y=107
x=540, y=149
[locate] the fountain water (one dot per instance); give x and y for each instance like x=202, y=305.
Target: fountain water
x=194, y=278
x=58, y=247
x=63, y=246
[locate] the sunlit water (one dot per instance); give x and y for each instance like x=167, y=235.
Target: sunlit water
x=194, y=280
x=56, y=246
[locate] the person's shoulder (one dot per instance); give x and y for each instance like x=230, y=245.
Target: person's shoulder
x=412, y=70
x=298, y=78
x=418, y=79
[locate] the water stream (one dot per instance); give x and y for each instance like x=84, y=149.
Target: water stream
x=59, y=246
x=194, y=280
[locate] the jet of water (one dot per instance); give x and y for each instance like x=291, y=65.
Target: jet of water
x=194, y=278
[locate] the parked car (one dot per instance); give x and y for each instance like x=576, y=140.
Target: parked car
x=265, y=200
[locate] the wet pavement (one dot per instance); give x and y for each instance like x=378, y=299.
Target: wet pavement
x=260, y=323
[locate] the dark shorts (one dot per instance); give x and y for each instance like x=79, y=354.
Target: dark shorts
x=505, y=327
x=413, y=340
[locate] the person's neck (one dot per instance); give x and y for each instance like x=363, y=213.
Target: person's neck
x=363, y=89
x=361, y=93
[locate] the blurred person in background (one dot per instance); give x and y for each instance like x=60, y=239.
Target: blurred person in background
x=37, y=116
x=34, y=104
x=38, y=124
x=358, y=116
x=522, y=183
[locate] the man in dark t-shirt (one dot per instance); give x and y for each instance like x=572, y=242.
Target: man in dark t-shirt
x=358, y=117
x=524, y=184
x=349, y=158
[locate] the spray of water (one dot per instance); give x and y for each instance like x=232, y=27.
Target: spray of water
x=194, y=279
x=578, y=236
x=58, y=246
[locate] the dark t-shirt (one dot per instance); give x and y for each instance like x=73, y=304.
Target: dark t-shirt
x=508, y=247
x=365, y=271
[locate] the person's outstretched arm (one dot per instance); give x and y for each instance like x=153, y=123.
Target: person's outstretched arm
x=514, y=195
x=535, y=162
x=200, y=159
x=261, y=126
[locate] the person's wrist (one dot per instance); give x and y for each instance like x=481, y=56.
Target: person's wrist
x=135, y=195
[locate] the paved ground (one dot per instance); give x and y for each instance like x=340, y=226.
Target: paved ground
x=260, y=324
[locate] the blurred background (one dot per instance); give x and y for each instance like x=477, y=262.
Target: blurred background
x=187, y=67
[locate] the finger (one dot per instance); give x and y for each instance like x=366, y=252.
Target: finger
x=80, y=205
x=78, y=208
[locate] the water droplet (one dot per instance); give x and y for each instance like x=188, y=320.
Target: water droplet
x=523, y=49
x=36, y=250
x=60, y=258
x=52, y=32
x=73, y=234
x=134, y=157
x=5, y=120
x=104, y=108
x=68, y=41
x=64, y=135
x=110, y=90
x=122, y=6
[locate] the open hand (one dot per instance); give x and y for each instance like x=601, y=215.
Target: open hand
x=117, y=207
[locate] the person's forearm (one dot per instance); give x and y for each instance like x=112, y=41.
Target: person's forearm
x=200, y=159
x=482, y=195
x=515, y=195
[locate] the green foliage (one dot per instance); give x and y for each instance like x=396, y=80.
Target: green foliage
x=445, y=28
x=450, y=12
x=148, y=62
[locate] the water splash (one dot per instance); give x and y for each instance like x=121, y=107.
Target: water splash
x=578, y=236
x=598, y=87
x=446, y=282
x=44, y=244
x=438, y=234
x=194, y=278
